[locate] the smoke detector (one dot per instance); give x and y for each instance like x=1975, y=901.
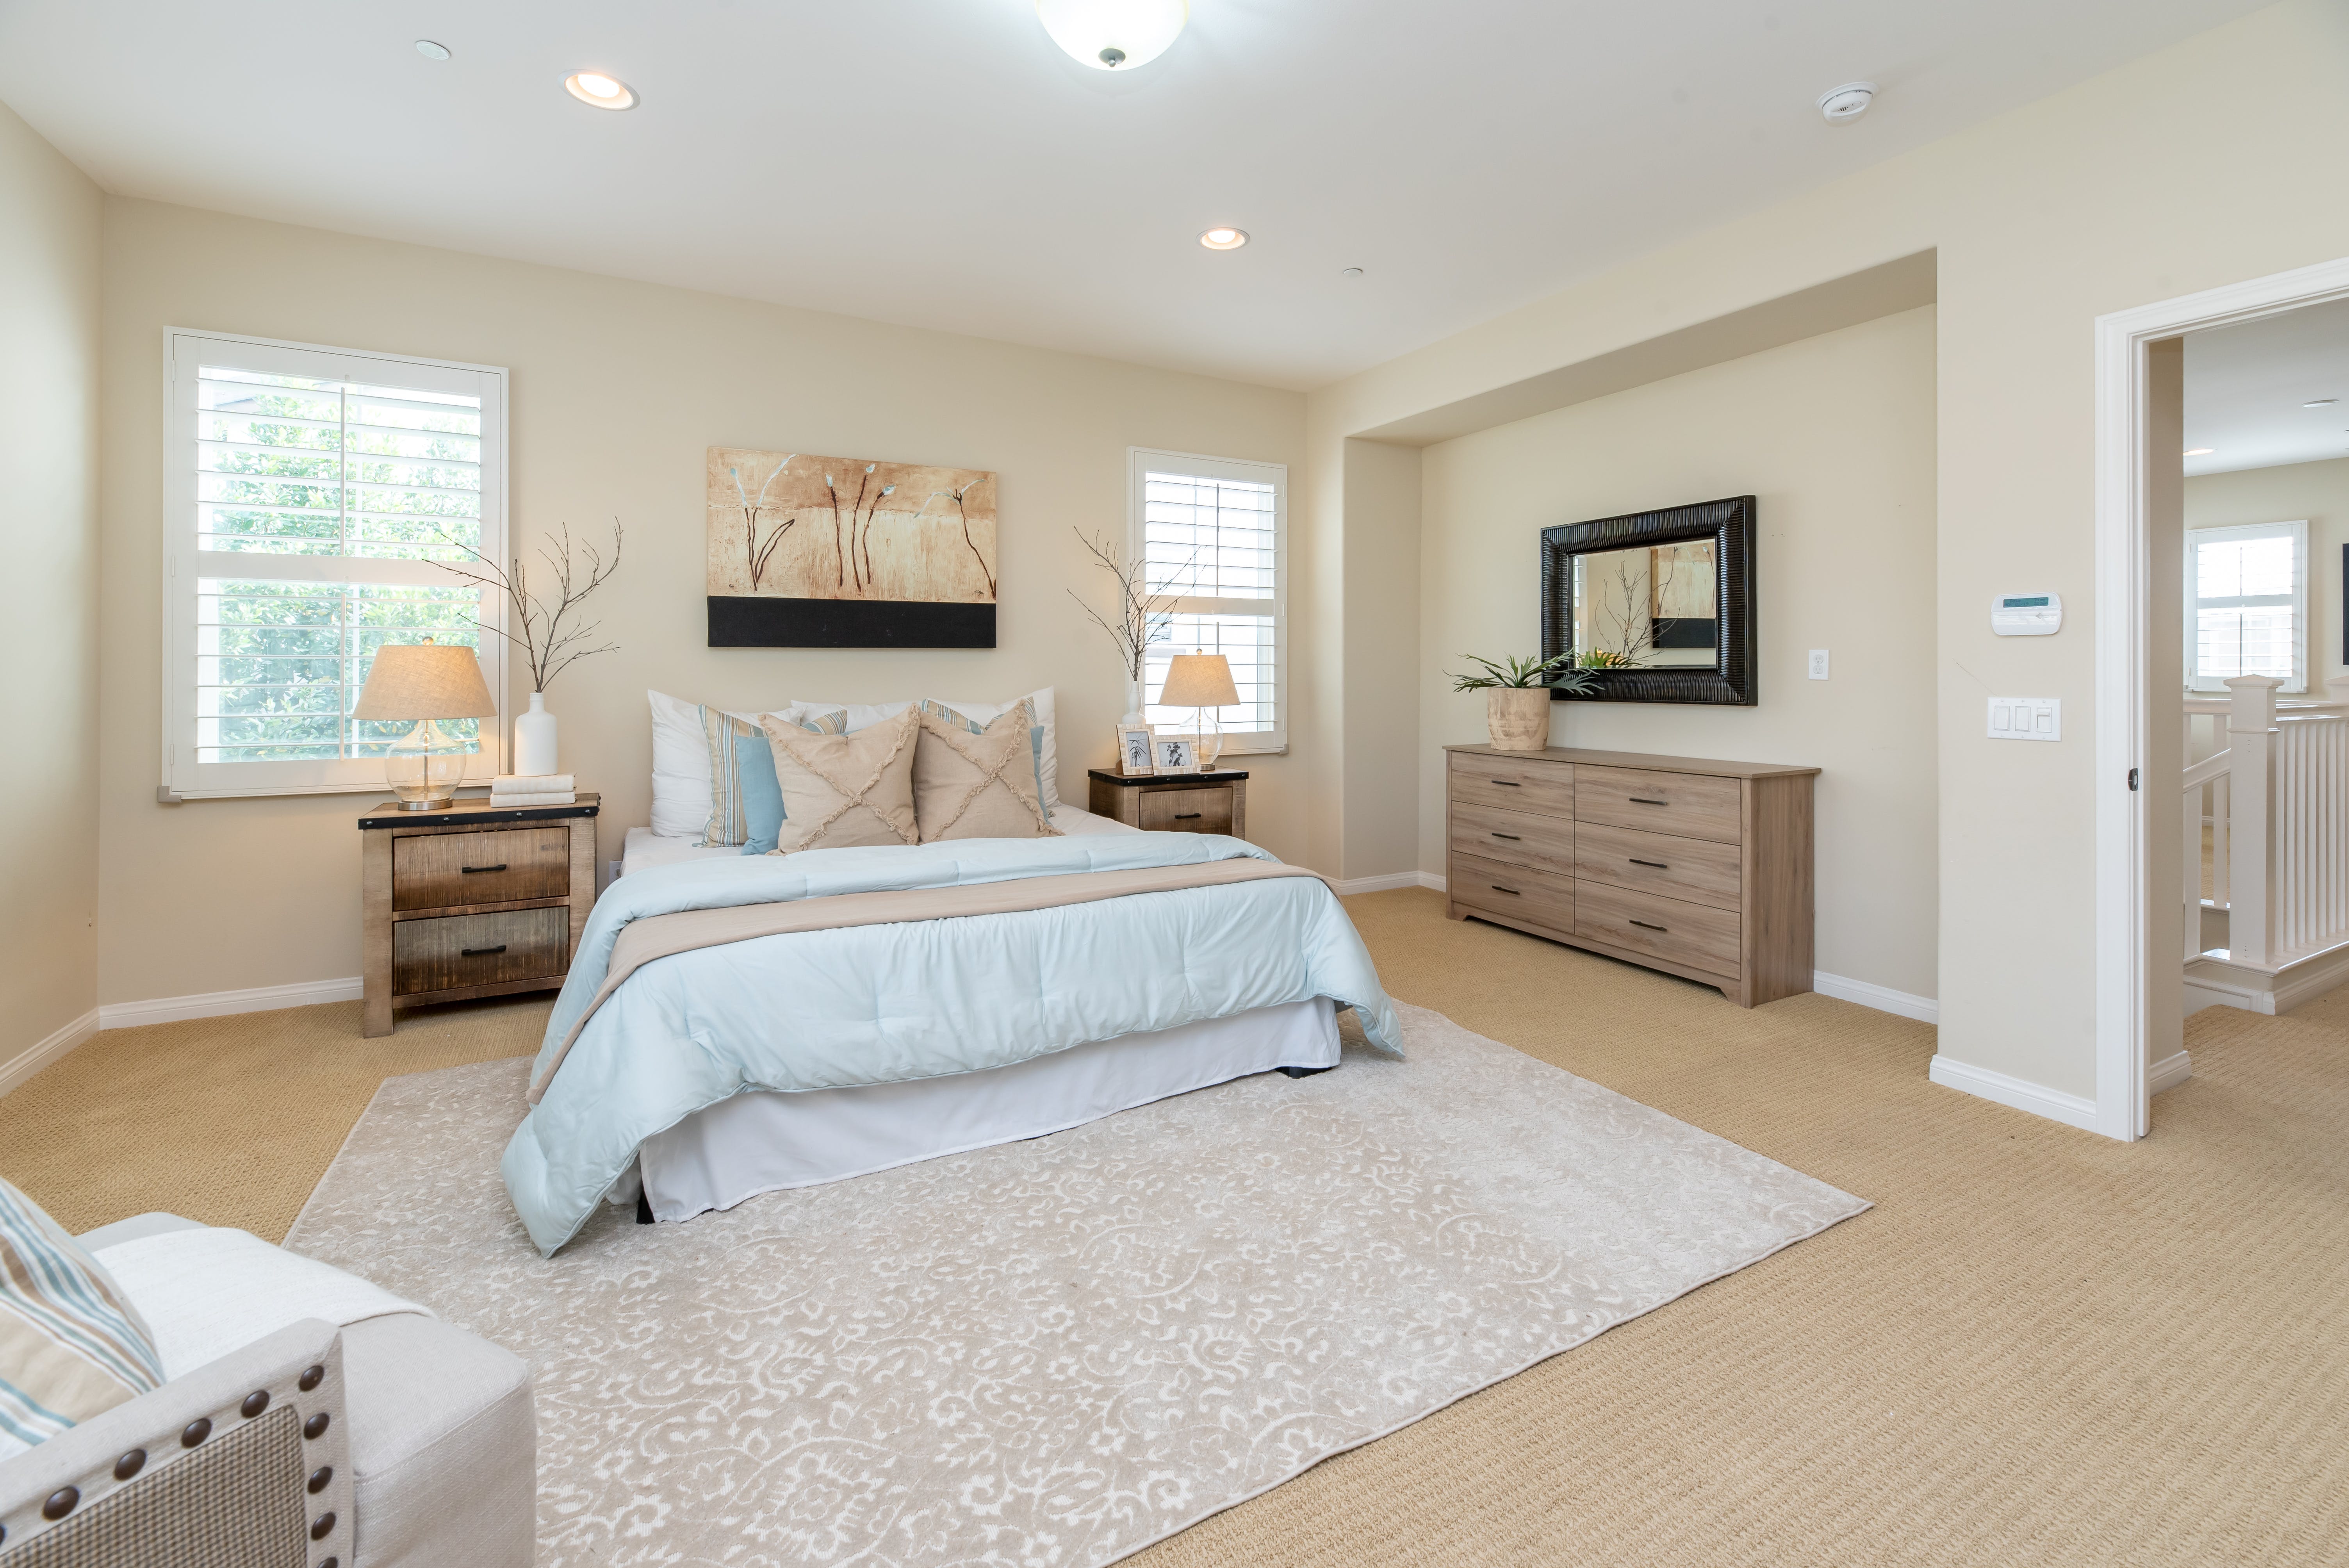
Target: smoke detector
x=1849, y=102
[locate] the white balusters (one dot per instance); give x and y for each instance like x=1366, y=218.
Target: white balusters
x=2279, y=810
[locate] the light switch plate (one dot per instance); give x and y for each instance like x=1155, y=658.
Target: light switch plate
x=2026, y=718
x=1818, y=664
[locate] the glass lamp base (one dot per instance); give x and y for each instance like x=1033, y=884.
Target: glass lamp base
x=424, y=767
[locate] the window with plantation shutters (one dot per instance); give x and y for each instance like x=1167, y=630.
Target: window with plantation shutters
x=1211, y=536
x=2247, y=604
x=314, y=498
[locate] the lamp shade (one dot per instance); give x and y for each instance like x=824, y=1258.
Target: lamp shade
x=425, y=680
x=1198, y=680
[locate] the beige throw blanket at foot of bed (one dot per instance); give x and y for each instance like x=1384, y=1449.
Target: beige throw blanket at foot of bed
x=666, y=935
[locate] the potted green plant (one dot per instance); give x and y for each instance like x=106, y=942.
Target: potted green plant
x=1518, y=695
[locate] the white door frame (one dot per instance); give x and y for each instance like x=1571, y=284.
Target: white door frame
x=2124, y=683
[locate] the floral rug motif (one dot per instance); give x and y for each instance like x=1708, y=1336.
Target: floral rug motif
x=1052, y=1352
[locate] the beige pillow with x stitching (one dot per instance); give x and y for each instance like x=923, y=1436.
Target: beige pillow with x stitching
x=978, y=786
x=844, y=789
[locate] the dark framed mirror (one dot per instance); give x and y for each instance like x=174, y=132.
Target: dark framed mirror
x=1657, y=606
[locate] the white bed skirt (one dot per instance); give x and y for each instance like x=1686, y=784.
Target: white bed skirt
x=765, y=1141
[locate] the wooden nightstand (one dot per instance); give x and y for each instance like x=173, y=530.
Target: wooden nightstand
x=1173, y=802
x=472, y=902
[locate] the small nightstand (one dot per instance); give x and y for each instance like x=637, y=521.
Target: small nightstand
x=1173, y=802
x=475, y=901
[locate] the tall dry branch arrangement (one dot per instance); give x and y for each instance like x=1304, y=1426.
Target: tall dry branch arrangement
x=1142, y=616
x=551, y=637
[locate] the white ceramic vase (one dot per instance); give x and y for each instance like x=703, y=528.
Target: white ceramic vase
x=534, y=739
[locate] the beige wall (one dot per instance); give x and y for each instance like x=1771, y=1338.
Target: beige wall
x=1833, y=438
x=2318, y=492
x=1381, y=640
x=2043, y=219
x=48, y=639
x=617, y=387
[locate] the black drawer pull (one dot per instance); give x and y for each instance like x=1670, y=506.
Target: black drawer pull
x=1508, y=784
x=1651, y=927
x=1513, y=892
x=480, y=952
x=471, y=869
x=1511, y=836
x=1187, y=816
x=1642, y=800
x=1658, y=864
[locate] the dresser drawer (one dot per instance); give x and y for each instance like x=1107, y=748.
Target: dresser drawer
x=437, y=871
x=1690, y=805
x=1695, y=934
x=1205, y=810
x=438, y=955
x=1514, y=838
x=1546, y=789
x=1697, y=870
x=1543, y=898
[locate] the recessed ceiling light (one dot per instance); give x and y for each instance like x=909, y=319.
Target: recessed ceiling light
x=430, y=50
x=1114, y=34
x=1224, y=239
x=2320, y=403
x=2199, y=451
x=603, y=91
x=1849, y=102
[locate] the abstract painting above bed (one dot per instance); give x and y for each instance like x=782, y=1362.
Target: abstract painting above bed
x=808, y=552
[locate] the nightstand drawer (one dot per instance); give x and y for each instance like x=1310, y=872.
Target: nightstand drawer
x=479, y=949
x=440, y=870
x=1208, y=811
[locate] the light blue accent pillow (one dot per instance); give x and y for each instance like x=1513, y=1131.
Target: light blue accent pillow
x=761, y=794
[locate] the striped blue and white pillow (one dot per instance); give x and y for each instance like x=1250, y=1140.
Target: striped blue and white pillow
x=728, y=826
x=946, y=713
x=71, y=1345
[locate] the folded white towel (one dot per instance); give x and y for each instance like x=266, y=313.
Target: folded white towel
x=550, y=798
x=531, y=783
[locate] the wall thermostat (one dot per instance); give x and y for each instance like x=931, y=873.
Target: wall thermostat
x=2026, y=614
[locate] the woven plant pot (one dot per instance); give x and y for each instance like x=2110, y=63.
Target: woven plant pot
x=1518, y=717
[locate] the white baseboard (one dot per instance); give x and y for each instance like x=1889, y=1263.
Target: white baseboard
x=2071, y=1110
x=1883, y=998
x=44, y=1051
x=218, y=1004
x=1389, y=883
x=2167, y=1073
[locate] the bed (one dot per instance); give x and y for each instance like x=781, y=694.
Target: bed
x=736, y=1024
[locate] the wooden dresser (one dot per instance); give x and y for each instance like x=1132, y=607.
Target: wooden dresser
x=474, y=901
x=1698, y=869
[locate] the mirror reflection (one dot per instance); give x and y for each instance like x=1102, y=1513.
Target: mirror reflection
x=1647, y=607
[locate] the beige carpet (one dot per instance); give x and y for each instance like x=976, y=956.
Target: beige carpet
x=2041, y=1346
x=1058, y=1350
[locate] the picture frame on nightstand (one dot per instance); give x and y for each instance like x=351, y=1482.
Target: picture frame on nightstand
x=1175, y=753
x=1135, y=757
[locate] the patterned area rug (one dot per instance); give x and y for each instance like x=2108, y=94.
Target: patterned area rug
x=1058, y=1351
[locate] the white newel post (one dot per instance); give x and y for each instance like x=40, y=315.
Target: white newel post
x=2251, y=738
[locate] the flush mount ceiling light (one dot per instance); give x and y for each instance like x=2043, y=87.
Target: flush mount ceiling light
x=1849, y=102
x=2320, y=403
x=1224, y=239
x=603, y=91
x=1114, y=34
x=430, y=50
x=2199, y=451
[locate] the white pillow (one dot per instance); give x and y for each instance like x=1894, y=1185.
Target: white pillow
x=683, y=792
x=862, y=714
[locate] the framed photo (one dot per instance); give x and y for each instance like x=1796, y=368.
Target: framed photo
x=1174, y=755
x=1135, y=754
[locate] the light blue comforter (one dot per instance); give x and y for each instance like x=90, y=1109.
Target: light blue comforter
x=883, y=1004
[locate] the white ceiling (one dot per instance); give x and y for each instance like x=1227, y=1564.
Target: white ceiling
x=2245, y=388
x=940, y=163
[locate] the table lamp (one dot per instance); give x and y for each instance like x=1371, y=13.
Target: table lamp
x=1201, y=681
x=425, y=681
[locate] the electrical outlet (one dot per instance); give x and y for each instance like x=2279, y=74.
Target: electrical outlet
x=2026, y=718
x=1818, y=664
